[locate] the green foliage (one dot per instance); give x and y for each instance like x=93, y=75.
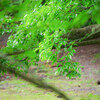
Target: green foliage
x=37, y=28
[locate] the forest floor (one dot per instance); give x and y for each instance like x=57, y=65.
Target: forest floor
x=87, y=87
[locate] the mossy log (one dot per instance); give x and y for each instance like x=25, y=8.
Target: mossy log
x=90, y=32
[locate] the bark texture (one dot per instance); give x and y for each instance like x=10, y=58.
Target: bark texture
x=90, y=32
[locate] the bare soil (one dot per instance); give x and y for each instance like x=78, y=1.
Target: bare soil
x=89, y=83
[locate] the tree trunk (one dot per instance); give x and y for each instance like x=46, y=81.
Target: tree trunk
x=88, y=42
x=91, y=32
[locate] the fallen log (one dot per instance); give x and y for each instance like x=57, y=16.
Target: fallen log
x=91, y=32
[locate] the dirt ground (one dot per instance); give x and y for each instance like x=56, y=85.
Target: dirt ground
x=86, y=56
x=90, y=71
x=90, y=79
x=86, y=86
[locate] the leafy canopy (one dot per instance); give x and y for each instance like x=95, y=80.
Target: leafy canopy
x=36, y=27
